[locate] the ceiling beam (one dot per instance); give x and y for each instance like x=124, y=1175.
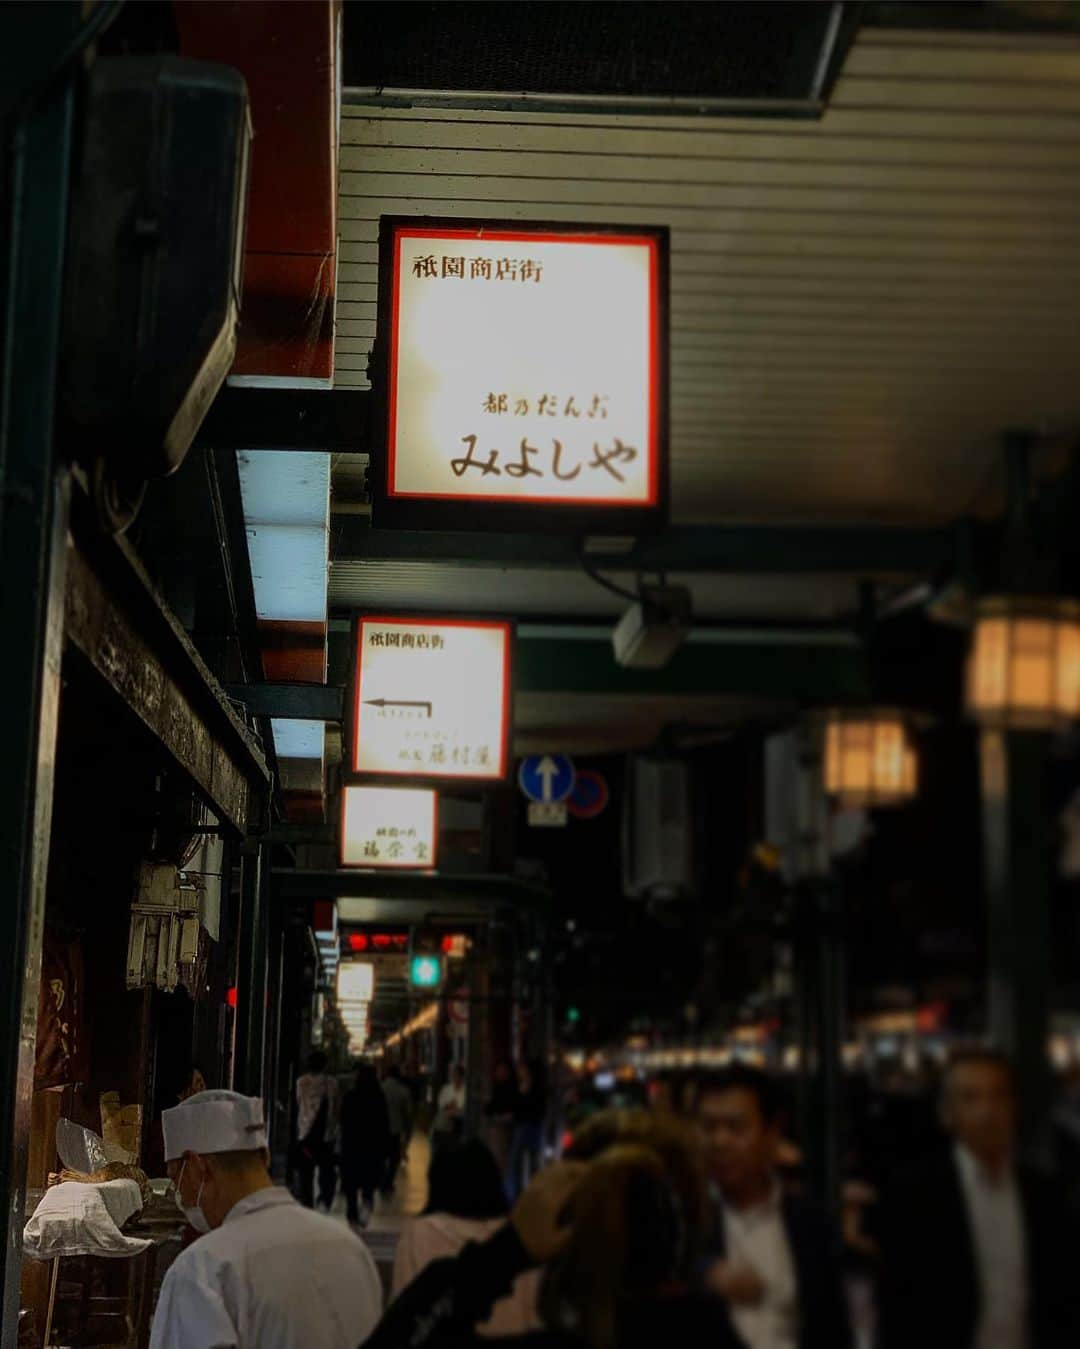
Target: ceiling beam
x=859, y=551
x=330, y=420
x=810, y=666
x=291, y=701
x=479, y=892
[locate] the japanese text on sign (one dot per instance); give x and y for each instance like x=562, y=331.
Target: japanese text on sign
x=389, y=827
x=566, y=356
x=432, y=698
x=477, y=269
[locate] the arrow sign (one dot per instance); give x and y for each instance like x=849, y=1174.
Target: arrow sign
x=549, y=771
x=395, y=702
x=547, y=778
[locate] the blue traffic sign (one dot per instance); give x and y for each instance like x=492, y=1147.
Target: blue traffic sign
x=547, y=777
x=590, y=795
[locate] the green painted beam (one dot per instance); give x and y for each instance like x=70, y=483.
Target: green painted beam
x=811, y=667
x=680, y=548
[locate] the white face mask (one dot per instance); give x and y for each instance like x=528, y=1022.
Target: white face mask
x=195, y=1216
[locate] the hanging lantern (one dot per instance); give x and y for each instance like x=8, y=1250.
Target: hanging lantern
x=1024, y=667
x=869, y=759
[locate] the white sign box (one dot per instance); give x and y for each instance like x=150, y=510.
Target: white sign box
x=356, y=981
x=388, y=827
x=432, y=698
x=525, y=366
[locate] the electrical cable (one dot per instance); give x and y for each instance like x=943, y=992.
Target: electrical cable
x=590, y=571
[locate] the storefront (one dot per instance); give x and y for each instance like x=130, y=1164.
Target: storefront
x=157, y=783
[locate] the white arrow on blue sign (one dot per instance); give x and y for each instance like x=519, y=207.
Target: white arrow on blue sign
x=547, y=777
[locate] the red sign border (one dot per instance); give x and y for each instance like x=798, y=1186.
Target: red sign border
x=649, y=241
x=347, y=787
x=422, y=777
x=551, y=515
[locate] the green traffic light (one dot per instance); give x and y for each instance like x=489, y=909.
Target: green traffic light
x=425, y=972
x=573, y=1015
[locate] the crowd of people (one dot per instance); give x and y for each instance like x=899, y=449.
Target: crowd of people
x=667, y=1224
x=361, y=1134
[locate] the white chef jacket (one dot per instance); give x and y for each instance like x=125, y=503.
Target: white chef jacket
x=274, y=1275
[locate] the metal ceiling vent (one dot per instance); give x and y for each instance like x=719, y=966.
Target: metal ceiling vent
x=764, y=58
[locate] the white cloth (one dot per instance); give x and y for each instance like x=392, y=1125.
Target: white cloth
x=997, y=1230
x=213, y=1121
x=311, y=1090
x=451, y=1108
x=436, y=1236
x=274, y=1275
x=75, y=1218
x=757, y=1237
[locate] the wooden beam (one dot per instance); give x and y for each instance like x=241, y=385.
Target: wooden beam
x=116, y=620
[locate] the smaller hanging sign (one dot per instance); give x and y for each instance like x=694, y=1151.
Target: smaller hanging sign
x=432, y=698
x=394, y=827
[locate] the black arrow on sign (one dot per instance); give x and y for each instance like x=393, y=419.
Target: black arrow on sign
x=394, y=702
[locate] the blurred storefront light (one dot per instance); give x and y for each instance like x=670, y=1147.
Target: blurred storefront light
x=869, y=758
x=1024, y=667
x=356, y=981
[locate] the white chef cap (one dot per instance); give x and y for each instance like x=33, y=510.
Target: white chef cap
x=213, y=1121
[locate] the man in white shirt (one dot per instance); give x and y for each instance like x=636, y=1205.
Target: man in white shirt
x=973, y=1249
x=450, y=1109
x=774, y=1257
x=268, y=1274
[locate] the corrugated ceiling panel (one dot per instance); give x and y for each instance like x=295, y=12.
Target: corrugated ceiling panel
x=859, y=306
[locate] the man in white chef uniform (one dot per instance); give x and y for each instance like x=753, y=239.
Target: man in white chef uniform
x=269, y=1274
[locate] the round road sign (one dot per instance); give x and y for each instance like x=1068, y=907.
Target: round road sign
x=590, y=795
x=546, y=777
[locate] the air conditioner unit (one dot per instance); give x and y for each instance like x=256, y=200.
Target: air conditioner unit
x=658, y=830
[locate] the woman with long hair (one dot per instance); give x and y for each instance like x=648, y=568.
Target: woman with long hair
x=466, y=1202
x=618, y=1229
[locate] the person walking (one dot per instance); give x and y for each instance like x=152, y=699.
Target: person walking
x=399, y=1108
x=527, y=1140
x=773, y=1256
x=466, y=1202
x=267, y=1274
x=365, y=1141
x=449, y=1124
x=976, y=1250
x=316, y=1128
x=618, y=1228
x=499, y=1111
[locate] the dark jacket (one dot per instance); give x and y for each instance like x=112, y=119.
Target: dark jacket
x=365, y=1135
x=504, y=1099
x=929, y=1285
x=440, y=1307
x=823, y=1313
